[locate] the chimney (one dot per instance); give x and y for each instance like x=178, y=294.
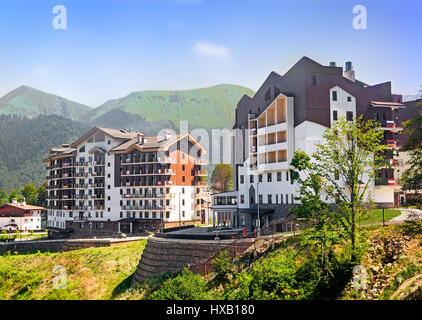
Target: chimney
x=139, y=138
x=332, y=64
x=167, y=135
x=14, y=201
x=349, y=73
x=23, y=203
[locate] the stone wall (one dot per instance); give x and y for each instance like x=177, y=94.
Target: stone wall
x=171, y=255
x=58, y=245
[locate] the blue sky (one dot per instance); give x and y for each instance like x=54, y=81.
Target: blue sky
x=113, y=47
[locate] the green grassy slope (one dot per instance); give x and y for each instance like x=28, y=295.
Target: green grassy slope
x=207, y=107
x=95, y=273
x=26, y=101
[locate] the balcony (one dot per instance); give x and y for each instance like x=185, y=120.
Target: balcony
x=386, y=182
x=201, y=183
x=201, y=173
x=80, y=219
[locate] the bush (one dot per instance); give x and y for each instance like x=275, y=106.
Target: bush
x=222, y=266
x=185, y=286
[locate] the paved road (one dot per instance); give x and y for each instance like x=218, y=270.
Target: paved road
x=408, y=214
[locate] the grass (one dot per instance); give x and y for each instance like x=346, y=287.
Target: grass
x=33, y=236
x=375, y=216
x=91, y=274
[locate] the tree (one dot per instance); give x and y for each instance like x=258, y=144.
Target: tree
x=315, y=208
x=15, y=195
x=29, y=192
x=222, y=178
x=349, y=159
x=3, y=197
x=413, y=131
x=411, y=179
x=42, y=195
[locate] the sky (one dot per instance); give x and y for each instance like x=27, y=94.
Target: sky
x=113, y=47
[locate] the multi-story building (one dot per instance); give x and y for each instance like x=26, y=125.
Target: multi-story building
x=291, y=112
x=123, y=181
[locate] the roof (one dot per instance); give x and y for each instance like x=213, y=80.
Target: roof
x=387, y=104
x=113, y=133
x=26, y=207
x=62, y=154
x=152, y=143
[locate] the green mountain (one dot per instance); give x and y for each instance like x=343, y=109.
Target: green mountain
x=25, y=142
x=29, y=102
x=150, y=111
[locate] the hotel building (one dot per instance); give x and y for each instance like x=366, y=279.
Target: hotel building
x=291, y=112
x=112, y=181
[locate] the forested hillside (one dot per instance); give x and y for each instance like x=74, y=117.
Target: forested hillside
x=25, y=142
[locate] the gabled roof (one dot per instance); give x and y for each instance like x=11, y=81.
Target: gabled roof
x=154, y=143
x=67, y=152
x=25, y=207
x=113, y=133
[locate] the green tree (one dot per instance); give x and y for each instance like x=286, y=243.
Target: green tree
x=314, y=209
x=14, y=194
x=413, y=131
x=3, y=197
x=42, y=195
x=222, y=178
x=349, y=159
x=411, y=179
x=29, y=192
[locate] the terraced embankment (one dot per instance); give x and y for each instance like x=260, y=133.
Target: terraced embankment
x=171, y=255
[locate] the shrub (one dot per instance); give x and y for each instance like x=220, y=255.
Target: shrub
x=185, y=286
x=222, y=266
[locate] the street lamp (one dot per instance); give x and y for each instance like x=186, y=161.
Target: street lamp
x=180, y=218
x=259, y=220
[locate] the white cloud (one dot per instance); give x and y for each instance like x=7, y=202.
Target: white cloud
x=206, y=49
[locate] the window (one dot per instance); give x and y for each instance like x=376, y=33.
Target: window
x=313, y=80
x=242, y=198
x=269, y=177
x=334, y=97
x=251, y=178
x=260, y=178
x=281, y=198
x=108, y=187
x=183, y=179
x=183, y=190
x=108, y=198
x=242, y=179
x=287, y=198
x=349, y=115
x=109, y=175
x=293, y=199
x=260, y=198
x=270, y=199
x=335, y=115
x=287, y=175
x=268, y=95
x=108, y=142
x=349, y=99
x=108, y=164
x=183, y=214
x=183, y=167
x=276, y=92
x=82, y=149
